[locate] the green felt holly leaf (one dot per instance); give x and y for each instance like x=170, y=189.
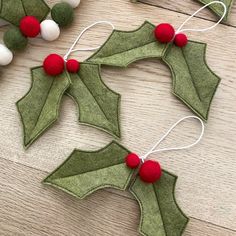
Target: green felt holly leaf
x=160, y=214
x=123, y=48
x=98, y=105
x=39, y=107
x=194, y=83
x=85, y=172
x=13, y=10
x=218, y=9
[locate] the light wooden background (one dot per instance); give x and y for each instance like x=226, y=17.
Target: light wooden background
x=206, y=188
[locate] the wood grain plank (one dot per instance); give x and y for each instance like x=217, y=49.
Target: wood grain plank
x=29, y=208
x=206, y=187
x=189, y=7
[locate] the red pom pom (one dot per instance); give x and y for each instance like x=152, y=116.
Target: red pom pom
x=30, y=26
x=181, y=40
x=164, y=33
x=53, y=64
x=72, y=66
x=150, y=171
x=132, y=161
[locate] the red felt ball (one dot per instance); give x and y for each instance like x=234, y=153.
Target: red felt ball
x=181, y=40
x=164, y=33
x=30, y=26
x=72, y=66
x=53, y=64
x=150, y=171
x=132, y=160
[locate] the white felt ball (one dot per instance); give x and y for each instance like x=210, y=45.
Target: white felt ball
x=73, y=3
x=6, y=55
x=50, y=30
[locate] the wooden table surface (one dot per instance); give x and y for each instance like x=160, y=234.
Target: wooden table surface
x=206, y=188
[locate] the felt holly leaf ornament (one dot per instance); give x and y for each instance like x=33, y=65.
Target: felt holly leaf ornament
x=193, y=81
x=85, y=172
x=39, y=108
x=14, y=10
x=218, y=10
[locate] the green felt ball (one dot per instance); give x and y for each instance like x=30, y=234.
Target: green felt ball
x=14, y=39
x=63, y=14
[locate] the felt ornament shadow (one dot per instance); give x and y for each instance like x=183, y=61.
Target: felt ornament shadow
x=85, y=172
x=215, y=8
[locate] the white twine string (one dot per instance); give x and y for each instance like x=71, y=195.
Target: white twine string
x=180, y=29
x=154, y=150
x=71, y=50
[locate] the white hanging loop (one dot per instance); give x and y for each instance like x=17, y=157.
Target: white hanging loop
x=154, y=150
x=81, y=34
x=205, y=29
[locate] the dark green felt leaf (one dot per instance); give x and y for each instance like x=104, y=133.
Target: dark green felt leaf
x=123, y=48
x=39, y=107
x=85, y=172
x=13, y=10
x=98, y=105
x=160, y=214
x=193, y=81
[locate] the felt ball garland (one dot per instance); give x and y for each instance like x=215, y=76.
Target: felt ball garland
x=50, y=30
x=6, y=55
x=14, y=39
x=62, y=13
x=30, y=27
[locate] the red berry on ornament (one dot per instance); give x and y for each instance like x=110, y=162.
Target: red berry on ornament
x=132, y=161
x=72, y=66
x=53, y=65
x=164, y=33
x=30, y=26
x=150, y=171
x=181, y=40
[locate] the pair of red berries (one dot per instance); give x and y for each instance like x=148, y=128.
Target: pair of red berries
x=165, y=33
x=149, y=172
x=54, y=65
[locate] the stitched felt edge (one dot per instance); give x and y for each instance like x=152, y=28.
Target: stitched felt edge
x=123, y=31
x=46, y=5
x=94, y=189
x=141, y=206
x=118, y=105
x=26, y=146
x=174, y=81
